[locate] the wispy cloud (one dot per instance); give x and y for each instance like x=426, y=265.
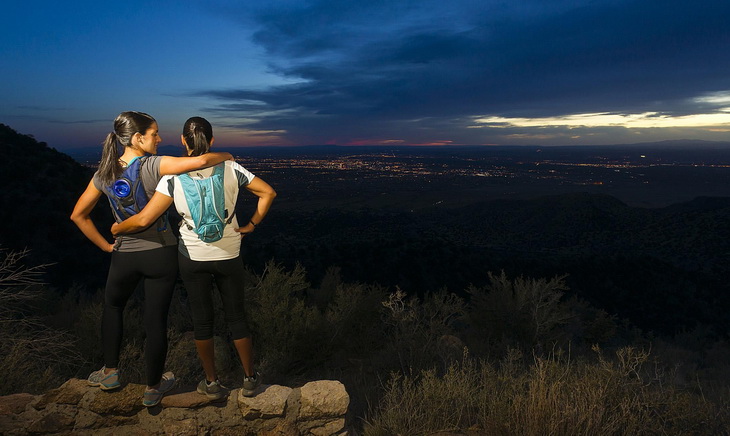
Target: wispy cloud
x=47, y=114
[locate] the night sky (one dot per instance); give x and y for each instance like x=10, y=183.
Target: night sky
x=291, y=72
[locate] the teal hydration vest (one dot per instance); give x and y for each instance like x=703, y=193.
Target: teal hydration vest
x=206, y=200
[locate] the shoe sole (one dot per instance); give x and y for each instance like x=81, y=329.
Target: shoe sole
x=211, y=396
x=104, y=387
x=167, y=391
x=146, y=404
x=248, y=393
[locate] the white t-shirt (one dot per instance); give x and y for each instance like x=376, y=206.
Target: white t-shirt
x=229, y=246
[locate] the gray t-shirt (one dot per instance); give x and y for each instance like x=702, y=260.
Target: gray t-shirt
x=158, y=234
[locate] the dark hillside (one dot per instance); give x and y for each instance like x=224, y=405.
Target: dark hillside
x=40, y=188
x=664, y=269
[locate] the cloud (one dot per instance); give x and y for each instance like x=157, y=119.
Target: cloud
x=46, y=114
x=421, y=71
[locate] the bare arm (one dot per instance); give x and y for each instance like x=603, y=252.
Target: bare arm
x=170, y=165
x=81, y=216
x=157, y=205
x=266, y=195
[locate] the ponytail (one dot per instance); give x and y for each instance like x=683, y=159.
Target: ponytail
x=198, y=133
x=200, y=144
x=109, y=167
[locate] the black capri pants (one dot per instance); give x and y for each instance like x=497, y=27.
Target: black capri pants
x=157, y=269
x=229, y=277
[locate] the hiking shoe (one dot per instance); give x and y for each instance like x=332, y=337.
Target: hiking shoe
x=213, y=390
x=250, y=384
x=106, y=382
x=153, y=396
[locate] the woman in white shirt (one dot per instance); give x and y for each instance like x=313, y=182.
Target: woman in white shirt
x=202, y=262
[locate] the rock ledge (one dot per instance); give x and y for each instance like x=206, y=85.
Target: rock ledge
x=317, y=408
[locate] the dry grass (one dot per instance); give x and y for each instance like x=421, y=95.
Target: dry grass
x=551, y=396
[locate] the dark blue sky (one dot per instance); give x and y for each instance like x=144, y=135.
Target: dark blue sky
x=295, y=72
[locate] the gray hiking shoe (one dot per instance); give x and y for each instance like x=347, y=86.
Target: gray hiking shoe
x=213, y=390
x=153, y=396
x=106, y=382
x=250, y=384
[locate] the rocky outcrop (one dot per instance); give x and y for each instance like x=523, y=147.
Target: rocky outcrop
x=317, y=408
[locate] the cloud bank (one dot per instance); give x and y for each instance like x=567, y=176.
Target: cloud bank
x=477, y=72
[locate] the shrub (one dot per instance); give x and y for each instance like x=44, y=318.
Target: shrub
x=29, y=347
x=426, y=403
x=522, y=312
x=284, y=327
x=413, y=329
x=352, y=322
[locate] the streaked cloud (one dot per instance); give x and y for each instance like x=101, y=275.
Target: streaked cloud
x=629, y=121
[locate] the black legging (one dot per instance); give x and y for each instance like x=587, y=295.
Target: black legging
x=198, y=279
x=158, y=270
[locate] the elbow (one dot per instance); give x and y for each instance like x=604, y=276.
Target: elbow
x=201, y=161
x=76, y=217
x=144, y=221
x=269, y=195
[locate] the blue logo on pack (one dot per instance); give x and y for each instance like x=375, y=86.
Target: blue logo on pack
x=207, y=203
x=122, y=188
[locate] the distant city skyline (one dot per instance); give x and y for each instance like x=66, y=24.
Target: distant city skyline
x=298, y=72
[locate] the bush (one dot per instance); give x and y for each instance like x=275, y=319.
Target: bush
x=523, y=312
x=414, y=329
x=32, y=355
x=352, y=323
x=284, y=327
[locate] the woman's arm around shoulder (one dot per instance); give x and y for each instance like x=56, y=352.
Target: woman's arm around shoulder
x=81, y=216
x=171, y=165
x=157, y=205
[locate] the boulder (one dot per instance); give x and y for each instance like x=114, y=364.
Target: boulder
x=323, y=399
x=15, y=403
x=270, y=402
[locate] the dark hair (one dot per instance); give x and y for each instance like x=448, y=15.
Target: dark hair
x=197, y=133
x=126, y=125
